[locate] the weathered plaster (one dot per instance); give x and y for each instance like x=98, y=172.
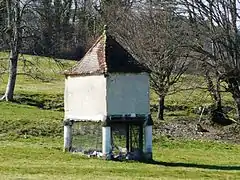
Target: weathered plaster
x=128, y=93
x=94, y=97
x=85, y=97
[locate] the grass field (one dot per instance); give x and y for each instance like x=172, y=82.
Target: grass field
x=42, y=158
x=31, y=138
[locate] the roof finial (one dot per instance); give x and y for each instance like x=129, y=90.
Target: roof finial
x=105, y=29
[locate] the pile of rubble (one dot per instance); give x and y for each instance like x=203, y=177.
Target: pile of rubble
x=187, y=129
x=120, y=156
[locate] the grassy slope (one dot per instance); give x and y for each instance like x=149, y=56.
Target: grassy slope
x=19, y=119
x=40, y=156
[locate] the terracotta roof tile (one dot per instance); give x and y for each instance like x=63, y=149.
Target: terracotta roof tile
x=106, y=56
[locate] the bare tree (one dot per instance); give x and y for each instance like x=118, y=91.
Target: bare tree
x=158, y=37
x=14, y=33
x=215, y=22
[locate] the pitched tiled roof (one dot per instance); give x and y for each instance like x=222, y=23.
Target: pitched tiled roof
x=106, y=56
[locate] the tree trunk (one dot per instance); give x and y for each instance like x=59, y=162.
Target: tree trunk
x=217, y=97
x=12, y=76
x=214, y=91
x=237, y=101
x=234, y=88
x=161, y=108
x=15, y=39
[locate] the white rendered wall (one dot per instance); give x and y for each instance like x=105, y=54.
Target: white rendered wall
x=85, y=97
x=128, y=93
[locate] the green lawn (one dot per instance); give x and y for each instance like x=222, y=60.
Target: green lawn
x=40, y=155
x=31, y=137
x=42, y=158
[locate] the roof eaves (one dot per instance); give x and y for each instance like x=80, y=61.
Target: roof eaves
x=84, y=73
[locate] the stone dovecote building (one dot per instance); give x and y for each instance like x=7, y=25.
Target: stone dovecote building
x=108, y=84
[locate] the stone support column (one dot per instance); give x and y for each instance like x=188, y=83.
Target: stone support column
x=67, y=135
x=148, y=138
x=106, y=141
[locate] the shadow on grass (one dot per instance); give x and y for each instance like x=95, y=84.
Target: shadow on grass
x=193, y=165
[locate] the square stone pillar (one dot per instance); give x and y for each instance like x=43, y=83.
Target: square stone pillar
x=67, y=135
x=148, y=138
x=106, y=142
